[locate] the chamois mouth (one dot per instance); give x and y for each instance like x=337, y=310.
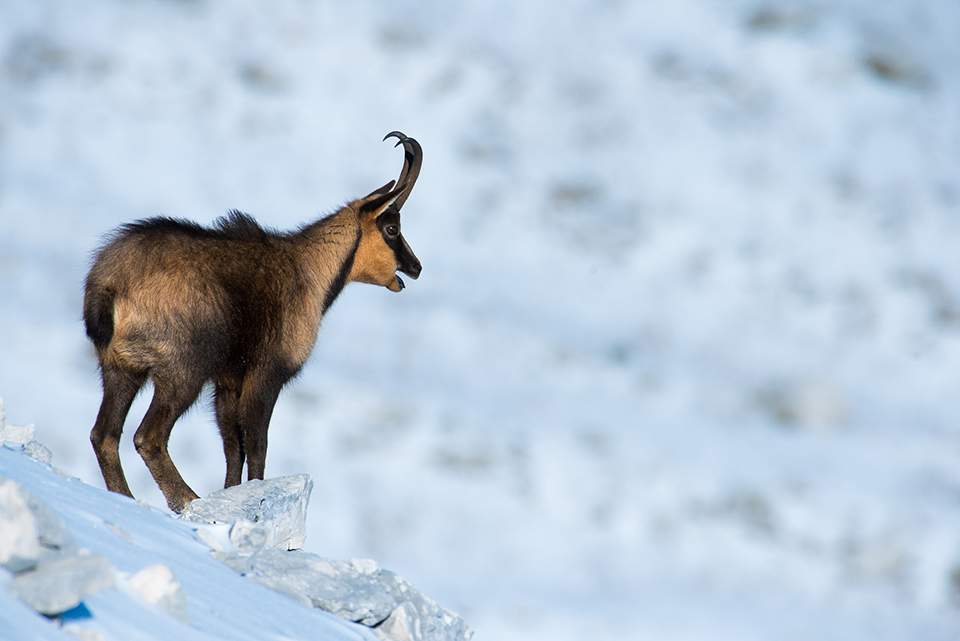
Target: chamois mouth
x=400, y=282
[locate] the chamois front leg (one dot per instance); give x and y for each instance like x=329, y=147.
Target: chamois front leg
x=170, y=400
x=227, y=409
x=259, y=395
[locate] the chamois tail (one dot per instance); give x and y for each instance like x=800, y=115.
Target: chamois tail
x=98, y=314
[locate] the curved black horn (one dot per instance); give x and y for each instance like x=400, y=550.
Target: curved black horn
x=412, y=159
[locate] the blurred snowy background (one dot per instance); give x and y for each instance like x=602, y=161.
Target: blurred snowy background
x=684, y=358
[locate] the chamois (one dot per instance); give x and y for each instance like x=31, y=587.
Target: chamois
x=237, y=305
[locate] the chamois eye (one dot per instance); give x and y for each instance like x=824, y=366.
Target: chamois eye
x=392, y=230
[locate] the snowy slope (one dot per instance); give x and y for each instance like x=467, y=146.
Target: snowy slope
x=683, y=358
x=220, y=604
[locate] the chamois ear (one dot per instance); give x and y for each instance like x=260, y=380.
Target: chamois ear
x=373, y=206
x=381, y=190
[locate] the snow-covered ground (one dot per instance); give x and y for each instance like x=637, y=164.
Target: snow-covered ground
x=683, y=360
x=145, y=575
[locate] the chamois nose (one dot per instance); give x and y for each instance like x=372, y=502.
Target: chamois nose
x=413, y=271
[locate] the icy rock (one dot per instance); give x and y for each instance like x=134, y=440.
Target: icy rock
x=248, y=536
x=38, y=452
x=399, y=625
x=29, y=531
x=270, y=514
x=60, y=584
x=16, y=435
x=357, y=590
x=335, y=586
x=421, y=619
x=156, y=585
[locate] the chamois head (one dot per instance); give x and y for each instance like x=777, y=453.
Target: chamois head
x=382, y=250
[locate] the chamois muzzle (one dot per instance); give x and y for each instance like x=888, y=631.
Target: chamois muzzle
x=407, y=261
x=409, y=264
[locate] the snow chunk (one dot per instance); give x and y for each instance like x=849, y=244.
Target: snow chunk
x=16, y=435
x=262, y=514
x=156, y=585
x=215, y=536
x=60, y=584
x=29, y=531
x=356, y=590
x=12, y=434
x=38, y=452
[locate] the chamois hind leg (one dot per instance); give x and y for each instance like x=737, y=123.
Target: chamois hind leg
x=226, y=403
x=257, y=399
x=171, y=398
x=119, y=389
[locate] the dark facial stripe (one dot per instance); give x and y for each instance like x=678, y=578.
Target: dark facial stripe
x=340, y=280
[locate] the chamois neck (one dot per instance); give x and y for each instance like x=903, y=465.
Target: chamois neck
x=329, y=246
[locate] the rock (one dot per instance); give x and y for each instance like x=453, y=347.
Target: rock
x=357, y=590
x=29, y=531
x=156, y=585
x=60, y=584
x=262, y=514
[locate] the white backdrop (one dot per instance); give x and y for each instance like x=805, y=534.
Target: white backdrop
x=683, y=360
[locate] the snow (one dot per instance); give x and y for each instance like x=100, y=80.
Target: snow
x=687, y=337
x=102, y=566
x=19, y=435
x=30, y=531
x=156, y=585
x=356, y=590
x=134, y=538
